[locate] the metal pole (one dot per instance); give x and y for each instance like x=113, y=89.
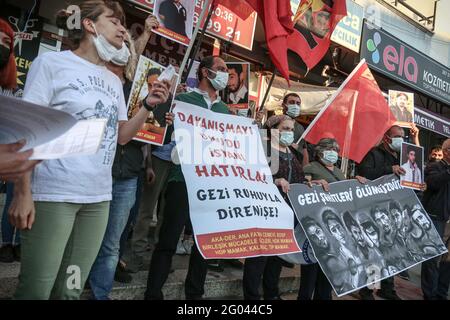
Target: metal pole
x=191, y=44
x=434, y=15
x=348, y=136
x=266, y=94
x=199, y=41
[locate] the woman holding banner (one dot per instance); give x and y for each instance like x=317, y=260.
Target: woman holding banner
x=286, y=169
x=313, y=282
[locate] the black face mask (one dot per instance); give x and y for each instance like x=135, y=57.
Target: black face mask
x=4, y=56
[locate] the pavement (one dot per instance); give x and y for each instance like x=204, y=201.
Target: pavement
x=219, y=285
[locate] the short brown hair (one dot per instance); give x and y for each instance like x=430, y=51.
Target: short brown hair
x=89, y=9
x=436, y=148
x=207, y=62
x=292, y=94
x=402, y=94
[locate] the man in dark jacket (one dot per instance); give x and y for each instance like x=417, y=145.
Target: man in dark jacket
x=381, y=160
x=435, y=275
x=212, y=75
x=173, y=15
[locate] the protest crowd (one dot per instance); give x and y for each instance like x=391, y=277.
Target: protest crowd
x=105, y=211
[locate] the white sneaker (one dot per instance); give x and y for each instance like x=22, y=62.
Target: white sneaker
x=187, y=244
x=181, y=250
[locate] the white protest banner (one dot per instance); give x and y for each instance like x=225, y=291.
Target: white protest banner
x=235, y=208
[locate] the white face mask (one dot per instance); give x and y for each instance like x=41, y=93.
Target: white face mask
x=396, y=144
x=242, y=112
x=107, y=52
x=220, y=81
x=122, y=57
x=293, y=110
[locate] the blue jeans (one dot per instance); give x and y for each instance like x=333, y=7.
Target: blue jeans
x=133, y=214
x=7, y=228
x=102, y=273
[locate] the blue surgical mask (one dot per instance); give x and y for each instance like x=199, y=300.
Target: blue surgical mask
x=293, y=110
x=396, y=144
x=330, y=157
x=220, y=81
x=286, y=138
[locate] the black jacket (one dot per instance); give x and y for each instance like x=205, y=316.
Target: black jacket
x=129, y=157
x=436, y=199
x=174, y=20
x=128, y=160
x=377, y=163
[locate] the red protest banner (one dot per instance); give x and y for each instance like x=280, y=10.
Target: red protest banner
x=315, y=21
x=249, y=242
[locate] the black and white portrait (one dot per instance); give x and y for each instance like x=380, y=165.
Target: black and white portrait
x=382, y=231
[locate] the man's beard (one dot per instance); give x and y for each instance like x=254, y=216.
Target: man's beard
x=238, y=86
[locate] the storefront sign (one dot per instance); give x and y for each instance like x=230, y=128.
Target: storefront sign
x=348, y=31
x=431, y=121
x=27, y=33
x=398, y=61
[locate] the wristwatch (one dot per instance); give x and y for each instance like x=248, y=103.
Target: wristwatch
x=147, y=106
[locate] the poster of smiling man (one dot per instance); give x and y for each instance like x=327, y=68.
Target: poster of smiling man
x=362, y=234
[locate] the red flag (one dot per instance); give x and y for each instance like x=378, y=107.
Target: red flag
x=276, y=16
x=357, y=115
x=314, y=23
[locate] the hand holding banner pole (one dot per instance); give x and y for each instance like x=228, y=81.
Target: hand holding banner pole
x=266, y=94
x=188, y=55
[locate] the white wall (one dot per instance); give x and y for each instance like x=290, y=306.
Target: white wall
x=436, y=45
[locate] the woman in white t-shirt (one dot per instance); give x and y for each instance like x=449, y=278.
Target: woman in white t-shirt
x=63, y=206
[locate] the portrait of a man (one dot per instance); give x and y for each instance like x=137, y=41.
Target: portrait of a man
x=412, y=163
x=402, y=105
